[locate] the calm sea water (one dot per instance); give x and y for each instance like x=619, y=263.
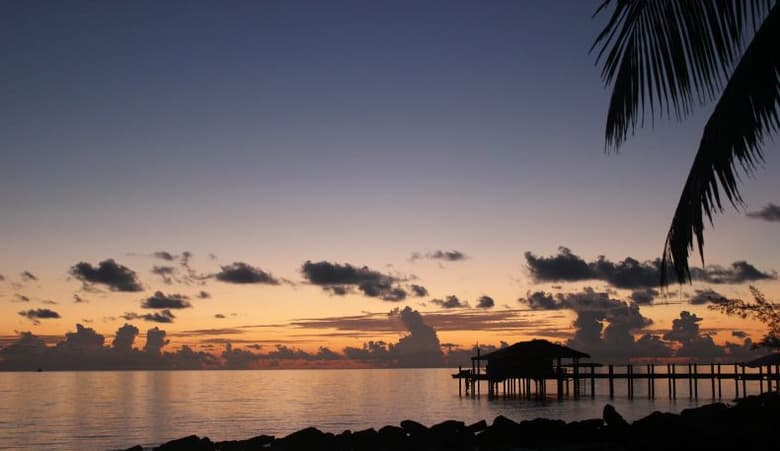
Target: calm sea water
x=110, y=410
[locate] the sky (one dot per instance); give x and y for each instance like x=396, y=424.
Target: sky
x=378, y=180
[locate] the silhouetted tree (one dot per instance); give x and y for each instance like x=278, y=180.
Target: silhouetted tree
x=666, y=57
x=762, y=310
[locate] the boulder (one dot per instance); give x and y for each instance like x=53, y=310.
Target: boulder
x=189, y=443
x=615, y=422
x=479, y=426
x=251, y=444
x=305, y=439
x=365, y=440
x=392, y=437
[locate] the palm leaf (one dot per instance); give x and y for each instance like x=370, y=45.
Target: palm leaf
x=746, y=113
x=666, y=57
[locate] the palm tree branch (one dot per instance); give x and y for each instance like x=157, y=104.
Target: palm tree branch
x=668, y=56
x=746, y=114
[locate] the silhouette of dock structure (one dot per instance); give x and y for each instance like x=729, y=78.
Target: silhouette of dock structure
x=527, y=369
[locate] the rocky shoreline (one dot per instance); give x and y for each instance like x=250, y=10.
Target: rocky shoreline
x=750, y=423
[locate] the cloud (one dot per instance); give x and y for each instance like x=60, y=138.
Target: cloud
x=450, y=302
x=705, y=296
x=242, y=273
x=739, y=334
x=78, y=299
x=109, y=273
x=540, y=300
x=739, y=272
x=38, y=314
x=124, y=338
x=449, y=256
x=208, y=332
x=419, y=348
x=48, y=302
x=21, y=298
x=418, y=290
x=485, y=302
x=644, y=295
x=204, y=295
x=685, y=330
x=27, y=276
x=155, y=340
x=769, y=213
x=162, y=301
x=83, y=338
x=513, y=321
x=341, y=279
x=164, y=316
x=630, y=273
x=164, y=255
x=2, y=277
x=604, y=326
x=166, y=273
x=564, y=267
x=85, y=349
x=219, y=316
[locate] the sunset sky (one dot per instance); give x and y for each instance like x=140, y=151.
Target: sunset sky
x=299, y=173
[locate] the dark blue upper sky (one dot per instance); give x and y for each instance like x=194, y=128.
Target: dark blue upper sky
x=171, y=123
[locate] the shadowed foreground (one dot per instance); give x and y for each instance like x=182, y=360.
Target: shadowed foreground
x=749, y=424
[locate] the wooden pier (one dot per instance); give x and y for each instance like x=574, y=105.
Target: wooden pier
x=511, y=373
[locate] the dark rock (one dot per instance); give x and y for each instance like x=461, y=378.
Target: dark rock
x=479, y=426
x=365, y=440
x=305, y=439
x=503, y=422
x=189, y=443
x=447, y=427
x=613, y=419
x=499, y=434
x=585, y=431
x=418, y=436
x=539, y=432
x=392, y=437
x=415, y=429
x=343, y=440
x=706, y=412
x=657, y=423
x=254, y=443
x=452, y=435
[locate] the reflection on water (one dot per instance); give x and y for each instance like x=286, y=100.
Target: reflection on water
x=98, y=410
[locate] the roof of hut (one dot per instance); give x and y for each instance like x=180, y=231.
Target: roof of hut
x=769, y=359
x=534, y=349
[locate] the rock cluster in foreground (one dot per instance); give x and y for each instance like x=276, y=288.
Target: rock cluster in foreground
x=751, y=423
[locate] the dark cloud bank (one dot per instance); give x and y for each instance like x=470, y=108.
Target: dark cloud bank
x=86, y=349
x=631, y=273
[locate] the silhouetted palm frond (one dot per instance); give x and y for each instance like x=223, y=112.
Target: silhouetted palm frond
x=667, y=56
x=736, y=131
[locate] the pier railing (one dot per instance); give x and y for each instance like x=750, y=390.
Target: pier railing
x=715, y=380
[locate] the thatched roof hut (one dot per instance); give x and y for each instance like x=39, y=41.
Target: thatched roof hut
x=526, y=359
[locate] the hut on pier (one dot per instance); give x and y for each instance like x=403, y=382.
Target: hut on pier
x=522, y=363
x=535, y=359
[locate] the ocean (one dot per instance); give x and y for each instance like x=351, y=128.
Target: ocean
x=119, y=409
